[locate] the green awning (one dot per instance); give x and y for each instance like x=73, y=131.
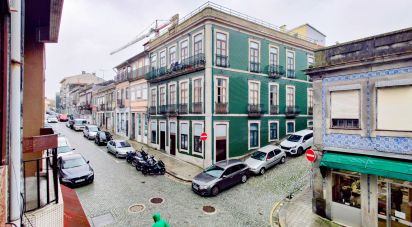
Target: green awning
x=384, y=167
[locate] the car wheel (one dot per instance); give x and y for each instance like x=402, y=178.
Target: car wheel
x=244, y=179
x=116, y=155
x=300, y=151
x=282, y=160
x=262, y=171
x=215, y=191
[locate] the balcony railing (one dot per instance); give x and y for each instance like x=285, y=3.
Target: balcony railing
x=139, y=73
x=255, y=110
x=292, y=111
x=101, y=107
x=188, y=65
x=197, y=108
x=290, y=73
x=310, y=110
x=120, y=103
x=163, y=109
x=221, y=108
x=172, y=109
x=222, y=60
x=152, y=110
x=254, y=67
x=183, y=108
x=274, y=109
x=275, y=71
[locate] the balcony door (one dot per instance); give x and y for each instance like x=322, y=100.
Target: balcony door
x=221, y=141
x=133, y=122
x=163, y=136
x=172, y=138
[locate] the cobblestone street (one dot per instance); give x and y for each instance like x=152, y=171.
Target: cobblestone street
x=118, y=185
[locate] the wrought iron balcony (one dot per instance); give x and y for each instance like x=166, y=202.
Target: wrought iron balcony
x=139, y=73
x=163, y=109
x=292, y=111
x=183, y=108
x=152, y=110
x=274, y=109
x=275, y=71
x=290, y=73
x=172, y=109
x=255, y=110
x=188, y=65
x=254, y=67
x=197, y=108
x=221, y=108
x=310, y=110
x=120, y=103
x=222, y=60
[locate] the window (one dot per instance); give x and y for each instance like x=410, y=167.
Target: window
x=172, y=55
x=345, y=109
x=197, y=90
x=163, y=58
x=254, y=93
x=172, y=94
x=311, y=60
x=183, y=93
x=290, y=127
x=153, y=98
x=221, y=49
x=270, y=155
x=290, y=96
x=273, y=56
x=277, y=151
x=273, y=131
x=254, y=56
x=253, y=135
x=198, y=44
x=153, y=61
x=393, y=108
x=162, y=93
x=310, y=101
x=310, y=123
x=132, y=93
x=346, y=189
x=127, y=93
x=144, y=91
x=274, y=98
x=138, y=91
x=184, y=50
x=184, y=135
x=153, y=127
x=197, y=142
x=221, y=90
x=290, y=64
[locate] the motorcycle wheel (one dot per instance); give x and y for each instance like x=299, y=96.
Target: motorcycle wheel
x=162, y=171
x=144, y=171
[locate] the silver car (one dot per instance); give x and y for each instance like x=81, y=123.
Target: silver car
x=119, y=148
x=90, y=131
x=264, y=158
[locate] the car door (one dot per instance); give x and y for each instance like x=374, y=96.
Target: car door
x=85, y=131
x=227, y=177
x=110, y=146
x=307, y=141
x=278, y=155
x=270, y=159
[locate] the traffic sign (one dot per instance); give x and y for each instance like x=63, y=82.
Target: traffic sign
x=310, y=155
x=203, y=136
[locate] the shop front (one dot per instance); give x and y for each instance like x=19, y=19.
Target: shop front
x=364, y=190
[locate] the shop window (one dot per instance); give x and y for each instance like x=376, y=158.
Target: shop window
x=346, y=190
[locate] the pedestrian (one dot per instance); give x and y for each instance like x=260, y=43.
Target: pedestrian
x=159, y=222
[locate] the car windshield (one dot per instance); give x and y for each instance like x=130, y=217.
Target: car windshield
x=214, y=171
x=259, y=155
x=102, y=135
x=294, y=138
x=73, y=162
x=93, y=129
x=123, y=144
x=80, y=122
x=63, y=149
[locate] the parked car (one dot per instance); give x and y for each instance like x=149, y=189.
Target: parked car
x=220, y=176
x=78, y=124
x=74, y=170
x=102, y=137
x=90, y=131
x=264, y=158
x=298, y=142
x=119, y=148
x=52, y=119
x=46, y=125
x=63, y=147
x=63, y=118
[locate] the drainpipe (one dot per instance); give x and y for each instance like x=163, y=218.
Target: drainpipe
x=16, y=113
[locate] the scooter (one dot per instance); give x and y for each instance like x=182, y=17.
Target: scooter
x=153, y=167
x=140, y=159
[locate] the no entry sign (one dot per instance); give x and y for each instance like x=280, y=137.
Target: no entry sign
x=203, y=136
x=310, y=155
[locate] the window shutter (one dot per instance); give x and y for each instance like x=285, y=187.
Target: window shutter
x=345, y=104
x=393, y=108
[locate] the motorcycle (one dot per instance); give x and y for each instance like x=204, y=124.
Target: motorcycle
x=140, y=159
x=153, y=167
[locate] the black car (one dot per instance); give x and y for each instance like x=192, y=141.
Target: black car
x=74, y=170
x=102, y=137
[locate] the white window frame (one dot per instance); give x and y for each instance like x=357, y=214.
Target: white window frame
x=277, y=122
x=227, y=45
x=227, y=123
x=169, y=95
x=277, y=48
x=157, y=133
x=150, y=97
x=294, y=126
x=156, y=61
x=176, y=57
x=203, y=42
x=160, y=58
x=227, y=90
x=188, y=93
x=180, y=137
x=294, y=62
x=193, y=137
x=168, y=133
x=277, y=90
x=180, y=49
x=258, y=43
x=307, y=123
x=308, y=100
x=193, y=89
x=294, y=94
x=254, y=81
x=164, y=95
x=248, y=134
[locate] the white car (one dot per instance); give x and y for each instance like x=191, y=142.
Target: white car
x=52, y=119
x=119, y=148
x=264, y=158
x=90, y=131
x=298, y=142
x=63, y=148
x=79, y=124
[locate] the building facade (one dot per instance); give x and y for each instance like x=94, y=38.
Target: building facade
x=122, y=110
x=363, y=131
x=239, y=81
x=85, y=105
x=104, y=102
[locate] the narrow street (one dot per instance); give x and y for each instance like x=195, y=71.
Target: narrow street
x=118, y=185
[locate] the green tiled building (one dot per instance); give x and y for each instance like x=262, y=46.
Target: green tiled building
x=238, y=80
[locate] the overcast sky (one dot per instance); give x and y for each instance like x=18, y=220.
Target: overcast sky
x=91, y=29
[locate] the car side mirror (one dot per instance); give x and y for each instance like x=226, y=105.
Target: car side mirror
x=304, y=141
x=73, y=149
x=224, y=176
x=88, y=162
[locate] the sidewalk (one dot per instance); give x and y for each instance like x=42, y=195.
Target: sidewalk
x=177, y=168
x=298, y=212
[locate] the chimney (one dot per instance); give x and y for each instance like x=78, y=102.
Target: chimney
x=283, y=28
x=83, y=72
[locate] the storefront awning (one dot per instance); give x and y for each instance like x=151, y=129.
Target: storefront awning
x=389, y=168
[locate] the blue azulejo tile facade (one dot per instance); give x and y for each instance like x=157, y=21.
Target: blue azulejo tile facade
x=400, y=145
